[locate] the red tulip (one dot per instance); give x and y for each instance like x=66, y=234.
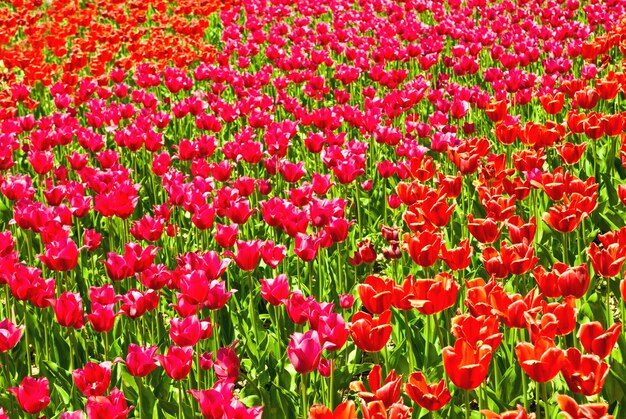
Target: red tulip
x=423, y=247
x=596, y=340
x=185, y=332
x=33, y=394
x=520, y=413
x=346, y=410
x=608, y=261
x=304, y=351
x=102, y=317
x=369, y=333
x=93, y=379
x=60, y=255
x=584, y=374
x=467, y=366
x=387, y=392
x=477, y=330
x=432, y=296
x=248, y=254
x=177, y=362
x=275, y=290
x=9, y=335
x=457, y=258
x=429, y=396
x=68, y=309
x=541, y=361
x=113, y=406
x=376, y=293
x=485, y=230
x=572, y=410
x=140, y=360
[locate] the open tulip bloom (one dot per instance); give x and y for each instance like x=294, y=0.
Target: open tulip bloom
x=312, y=209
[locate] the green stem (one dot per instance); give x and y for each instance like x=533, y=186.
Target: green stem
x=180, y=399
x=26, y=338
x=252, y=310
x=537, y=400
x=303, y=389
x=467, y=404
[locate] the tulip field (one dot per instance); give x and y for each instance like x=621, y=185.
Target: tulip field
x=324, y=209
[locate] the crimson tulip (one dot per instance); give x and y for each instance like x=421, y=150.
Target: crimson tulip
x=33, y=394
x=467, y=366
x=177, y=362
x=369, y=333
x=304, y=351
x=429, y=396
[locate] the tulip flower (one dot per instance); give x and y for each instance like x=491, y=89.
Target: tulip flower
x=276, y=290
x=572, y=410
x=540, y=361
x=376, y=293
x=428, y=396
x=423, y=247
x=177, y=362
x=596, y=340
x=304, y=351
x=432, y=296
x=61, y=255
x=520, y=413
x=369, y=333
x=584, y=374
x=68, y=309
x=10, y=335
x=387, y=392
x=467, y=366
x=113, y=406
x=33, y=394
x=346, y=410
x=93, y=379
x=140, y=360
x=185, y=332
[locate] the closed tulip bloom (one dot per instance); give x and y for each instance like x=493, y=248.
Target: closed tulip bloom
x=217, y=296
x=428, y=396
x=596, y=340
x=332, y=331
x=477, y=330
x=304, y=351
x=376, y=293
x=10, y=335
x=584, y=374
x=177, y=362
x=93, y=379
x=540, y=361
x=185, y=332
x=33, y=394
x=248, y=254
x=113, y=406
x=68, y=309
x=606, y=262
x=102, y=317
x=370, y=334
x=484, y=230
x=467, y=366
x=140, y=360
x=275, y=290
x=423, y=247
x=195, y=286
